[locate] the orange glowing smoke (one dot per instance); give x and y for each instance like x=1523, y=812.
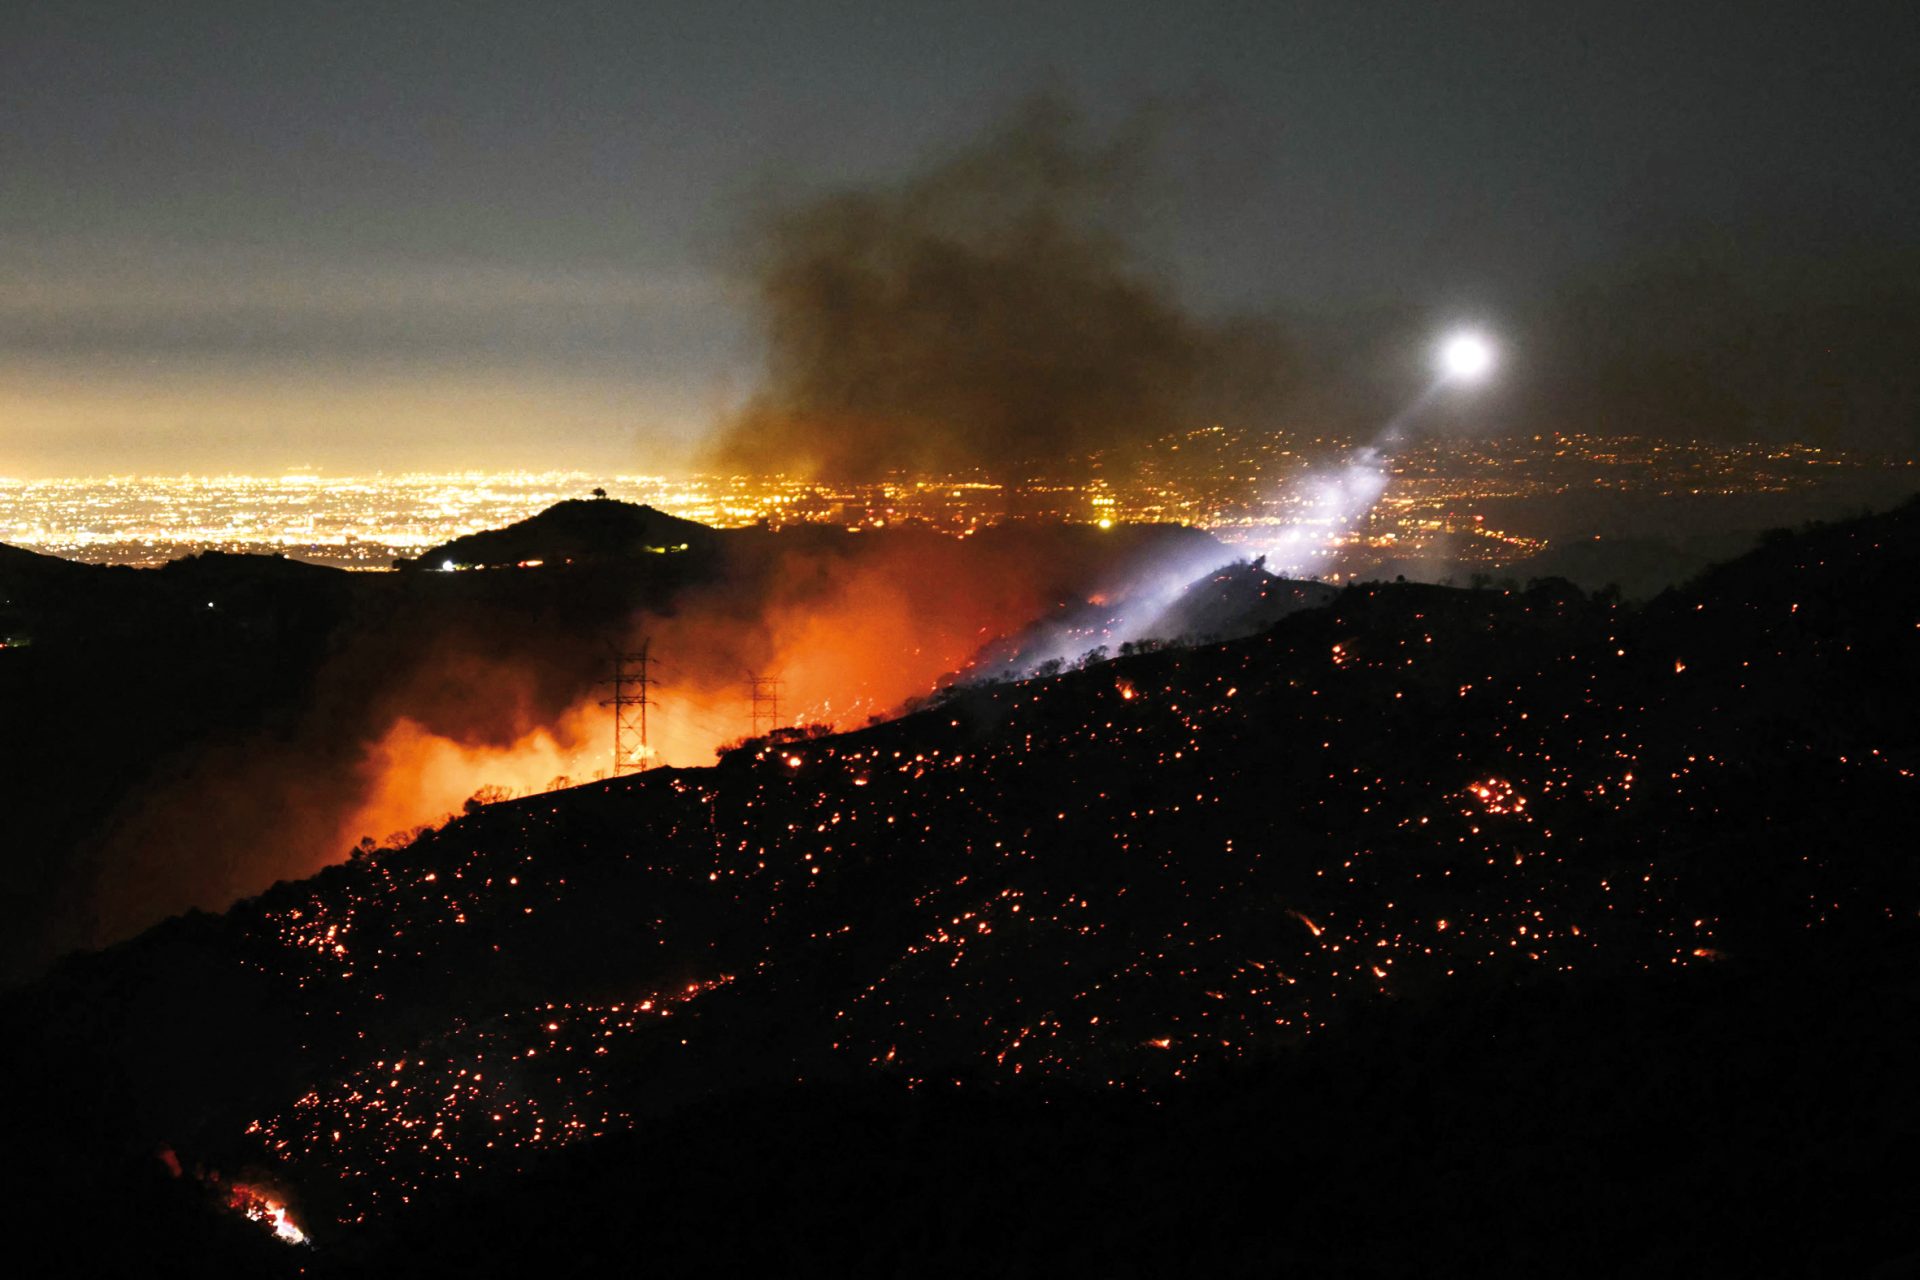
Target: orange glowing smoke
x=416, y=776
x=850, y=635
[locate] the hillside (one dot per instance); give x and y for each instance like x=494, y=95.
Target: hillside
x=184, y=736
x=574, y=531
x=1165, y=598
x=19, y=567
x=1552, y=933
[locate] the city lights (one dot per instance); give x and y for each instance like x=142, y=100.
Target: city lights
x=1301, y=502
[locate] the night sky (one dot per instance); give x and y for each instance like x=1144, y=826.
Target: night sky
x=254, y=236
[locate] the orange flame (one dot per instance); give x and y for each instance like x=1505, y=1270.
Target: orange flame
x=258, y=1206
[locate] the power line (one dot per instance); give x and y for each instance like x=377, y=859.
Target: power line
x=632, y=678
x=764, y=691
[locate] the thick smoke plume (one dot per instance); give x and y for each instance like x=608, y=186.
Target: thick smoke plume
x=985, y=312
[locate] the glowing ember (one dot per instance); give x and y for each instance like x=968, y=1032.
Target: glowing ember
x=1497, y=796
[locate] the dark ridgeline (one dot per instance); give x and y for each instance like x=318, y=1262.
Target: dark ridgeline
x=1430, y=930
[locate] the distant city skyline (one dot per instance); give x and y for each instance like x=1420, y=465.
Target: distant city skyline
x=1529, y=505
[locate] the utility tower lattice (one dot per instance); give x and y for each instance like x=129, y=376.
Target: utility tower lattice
x=631, y=680
x=765, y=692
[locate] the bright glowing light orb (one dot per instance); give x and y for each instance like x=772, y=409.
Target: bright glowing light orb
x=1466, y=357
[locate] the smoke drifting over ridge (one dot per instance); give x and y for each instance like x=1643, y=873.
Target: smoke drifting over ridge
x=441, y=685
x=988, y=310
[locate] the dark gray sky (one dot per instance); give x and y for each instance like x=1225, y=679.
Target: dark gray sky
x=250, y=236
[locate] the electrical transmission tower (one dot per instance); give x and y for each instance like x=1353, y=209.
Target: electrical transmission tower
x=631, y=680
x=765, y=692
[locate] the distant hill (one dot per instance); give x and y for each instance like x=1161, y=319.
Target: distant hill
x=1239, y=600
x=12, y=557
x=26, y=578
x=20, y=569
x=57, y=596
x=575, y=531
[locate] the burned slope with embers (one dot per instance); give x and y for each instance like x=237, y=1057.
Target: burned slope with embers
x=1431, y=930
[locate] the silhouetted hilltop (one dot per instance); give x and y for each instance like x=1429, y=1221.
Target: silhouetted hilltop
x=574, y=531
x=1565, y=936
x=1239, y=600
x=18, y=565
x=57, y=593
x=26, y=578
